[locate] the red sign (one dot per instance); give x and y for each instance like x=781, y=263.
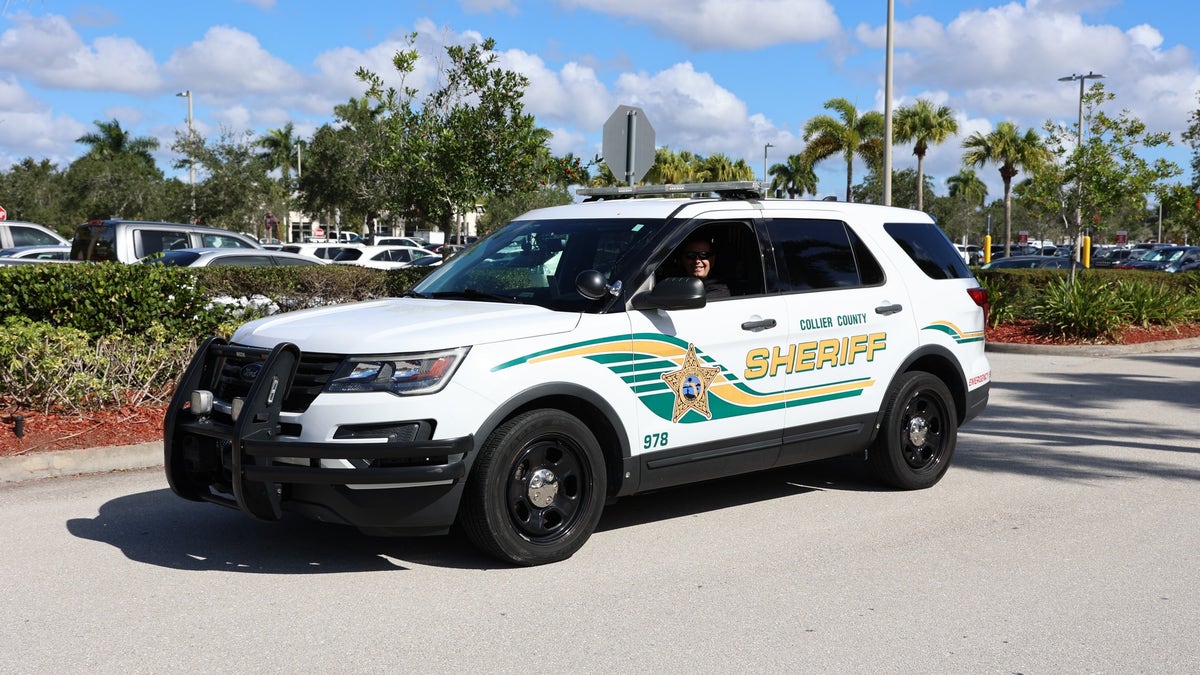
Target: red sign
x=3, y=214
x=318, y=231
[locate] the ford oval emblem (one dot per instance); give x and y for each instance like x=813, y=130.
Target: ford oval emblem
x=251, y=371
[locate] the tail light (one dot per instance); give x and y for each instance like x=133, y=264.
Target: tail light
x=980, y=297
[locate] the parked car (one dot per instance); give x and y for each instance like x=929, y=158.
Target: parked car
x=271, y=243
x=970, y=253
x=398, y=241
x=19, y=233
x=1029, y=261
x=1111, y=256
x=428, y=261
x=208, y=257
x=1165, y=259
x=381, y=257
x=128, y=241
x=321, y=251
x=55, y=252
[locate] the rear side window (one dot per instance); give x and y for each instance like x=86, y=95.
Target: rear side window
x=149, y=242
x=23, y=235
x=815, y=254
x=930, y=249
x=222, y=241
x=94, y=241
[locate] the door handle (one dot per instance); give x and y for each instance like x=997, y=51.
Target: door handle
x=759, y=325
x=888, y=309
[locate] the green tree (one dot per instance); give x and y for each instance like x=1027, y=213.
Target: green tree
x=499, y=210
x=847, y=135
x=1013, y=151
x=904, y=194
x=967, y=186
x=670, y=167
x=1105, y=181
x=468, y=139
x=1191, y=136
x=279, y=151
x=34, y=191
x=924, y=123
x=110, y=141
x=794, y=177
x=720, y=168
x=236, y=188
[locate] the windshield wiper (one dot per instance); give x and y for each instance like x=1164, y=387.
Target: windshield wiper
x=473, y=294
x=413, y=294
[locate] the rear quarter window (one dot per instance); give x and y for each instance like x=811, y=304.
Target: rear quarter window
x=929, y=247
x=815, y=254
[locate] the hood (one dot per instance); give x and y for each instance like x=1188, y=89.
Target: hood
x=395, y=325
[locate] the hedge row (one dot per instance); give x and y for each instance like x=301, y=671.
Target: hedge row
x=80, y=337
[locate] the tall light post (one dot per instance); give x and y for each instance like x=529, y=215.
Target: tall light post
x=768, y=145
x=887, y=109
x=1079, y=148
x=191, y=154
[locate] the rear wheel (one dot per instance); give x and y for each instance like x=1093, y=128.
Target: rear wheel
x=536, y=492
x=918, y=435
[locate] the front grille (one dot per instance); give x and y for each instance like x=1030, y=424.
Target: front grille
x=312, y=374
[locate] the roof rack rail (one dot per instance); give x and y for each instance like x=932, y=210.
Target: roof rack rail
x=741, y=189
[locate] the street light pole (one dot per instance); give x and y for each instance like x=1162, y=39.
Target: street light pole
x=191, y=153
x=1079, y=148
x=768, y=145
x=887, y=109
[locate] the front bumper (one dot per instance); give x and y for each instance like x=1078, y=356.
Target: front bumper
x=236, y=453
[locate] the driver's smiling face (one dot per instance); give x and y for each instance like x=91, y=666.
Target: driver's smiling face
x=697, y=259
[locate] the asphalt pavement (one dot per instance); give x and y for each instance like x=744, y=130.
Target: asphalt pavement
x=44, y=465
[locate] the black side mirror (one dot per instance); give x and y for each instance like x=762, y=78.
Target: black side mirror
x=673, y=293
x=591, y=284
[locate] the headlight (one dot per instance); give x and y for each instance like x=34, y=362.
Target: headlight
x=400, y=374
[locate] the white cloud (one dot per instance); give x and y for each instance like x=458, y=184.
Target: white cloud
x=229, y=64
x=50, y=53
x=725, y=24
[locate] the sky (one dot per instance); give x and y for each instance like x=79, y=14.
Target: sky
x=712, y=76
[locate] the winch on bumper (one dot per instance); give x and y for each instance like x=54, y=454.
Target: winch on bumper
x=234, y=451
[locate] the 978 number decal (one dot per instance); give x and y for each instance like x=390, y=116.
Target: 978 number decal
x=654, y=441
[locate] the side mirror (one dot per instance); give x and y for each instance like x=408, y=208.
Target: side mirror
x=592, y=285
x=673, y=293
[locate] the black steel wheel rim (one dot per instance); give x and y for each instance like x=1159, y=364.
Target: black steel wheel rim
x=923, y=431
x=548, y=488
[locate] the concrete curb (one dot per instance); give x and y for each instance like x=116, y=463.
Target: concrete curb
x=148, y=455
x=71, y=462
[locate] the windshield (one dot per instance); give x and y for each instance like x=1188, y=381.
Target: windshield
x=536, y=261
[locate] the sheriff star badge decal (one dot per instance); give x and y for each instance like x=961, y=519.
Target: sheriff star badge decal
x=690, y=384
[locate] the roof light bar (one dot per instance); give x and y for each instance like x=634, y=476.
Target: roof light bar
x=742, y=189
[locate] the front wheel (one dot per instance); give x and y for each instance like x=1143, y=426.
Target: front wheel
x=535, y=493
x=918, y=435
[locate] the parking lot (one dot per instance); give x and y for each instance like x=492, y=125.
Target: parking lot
x=1064, y=539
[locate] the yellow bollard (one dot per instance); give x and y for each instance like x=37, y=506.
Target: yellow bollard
x=1087, y=251
x=987, y=248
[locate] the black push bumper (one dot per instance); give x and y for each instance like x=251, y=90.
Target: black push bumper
x=233, y=461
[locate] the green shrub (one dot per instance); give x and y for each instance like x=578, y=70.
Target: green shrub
x=1090, y=308
x=1149, y=301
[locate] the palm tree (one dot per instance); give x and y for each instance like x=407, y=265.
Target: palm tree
x=110, y=140
x=279, y=146
x=967, y=186
x=853, y=134
x=924, y=123
x=795, y=177
x=1013, y=151
x=669, y=167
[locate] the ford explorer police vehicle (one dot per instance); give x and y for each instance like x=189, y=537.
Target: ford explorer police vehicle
x=569, y=359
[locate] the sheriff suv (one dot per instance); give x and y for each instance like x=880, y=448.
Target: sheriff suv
x=570, y=359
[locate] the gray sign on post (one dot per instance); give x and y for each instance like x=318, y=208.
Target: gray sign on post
x=628, y=144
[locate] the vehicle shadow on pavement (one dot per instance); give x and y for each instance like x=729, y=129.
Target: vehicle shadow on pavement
x=1080, y=427
x=158, y=528
x=842, y=474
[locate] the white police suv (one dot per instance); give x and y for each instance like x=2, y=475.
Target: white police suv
x=570, y=359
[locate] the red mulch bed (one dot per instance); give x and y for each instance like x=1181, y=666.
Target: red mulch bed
x=139, y=424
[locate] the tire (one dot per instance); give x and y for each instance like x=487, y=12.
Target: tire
x=918, y=434
x=536, y=491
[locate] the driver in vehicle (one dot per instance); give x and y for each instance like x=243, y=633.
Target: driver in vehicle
x=698, y=259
